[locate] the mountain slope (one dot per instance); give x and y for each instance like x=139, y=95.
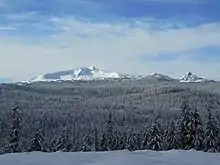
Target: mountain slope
x=93, y=73
x=159, y=77
x=190, y=77
x=84, y=73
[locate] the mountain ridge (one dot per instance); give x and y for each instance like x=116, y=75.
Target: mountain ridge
x=83, y=73
x=92, y=73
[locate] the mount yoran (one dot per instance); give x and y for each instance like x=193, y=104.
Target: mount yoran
x=93, y=73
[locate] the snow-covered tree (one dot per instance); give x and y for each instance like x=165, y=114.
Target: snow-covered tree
x=121, y=142
x=198, y=132
x=103, y=146
x=211, y=142
x=144, y=142
x=186, y=134
x=95, y=141
x=171, y=138
x=139, y=140
x=111, y=141
x=155, y=140
x=132, y=142
x=37, y=143
x=14, y=132
x=63, y=143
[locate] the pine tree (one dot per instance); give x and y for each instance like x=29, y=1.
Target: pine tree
x=103, y=146
x=139, y=139
x=63, y=143
x=211, y=142
x=111, y=143
x=37, y=143
x=145, y=140
x=85, y=146
x=155, y=141
x=186, y=136
x=171, y=138
x=14, y=132
x=96, y=142
x=198, y=132
x=132, y=142
x=121, y=142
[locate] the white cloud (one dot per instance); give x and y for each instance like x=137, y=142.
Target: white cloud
x=110, y=46
x=7, y=28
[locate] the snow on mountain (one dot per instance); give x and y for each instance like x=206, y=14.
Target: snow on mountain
x=190, y=77
x=160, y=77
x=173, y=157
x=84, y=73
x=93, y=73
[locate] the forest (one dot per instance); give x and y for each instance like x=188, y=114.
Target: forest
x=82, y=118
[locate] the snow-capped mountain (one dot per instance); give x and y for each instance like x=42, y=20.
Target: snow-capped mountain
x=93, y=73
x=190, y=77
x=160, y=77
x=84, y=73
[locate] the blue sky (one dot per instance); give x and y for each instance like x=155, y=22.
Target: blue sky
x=131, y=36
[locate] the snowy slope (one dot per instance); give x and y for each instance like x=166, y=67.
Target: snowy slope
x=190, y=77
x=84, y=73
x=92, y=73
x=113, y=158
x=160, y=77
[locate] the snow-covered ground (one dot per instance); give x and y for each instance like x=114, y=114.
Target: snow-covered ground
x=113, y=158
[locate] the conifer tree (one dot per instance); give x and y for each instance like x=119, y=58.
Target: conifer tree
x=155, y=141
x=95, y=140
x=111, y=142
x=103, y=146
x=198, y=132
x=145, y=140
x=211, y=142
x=37, y=143
x=63, y=143
x=14, y=132
x=139, y=140
x=171, y=138
x=132, y=142
x=186, y=135
x=121, y=142
x=86, y=145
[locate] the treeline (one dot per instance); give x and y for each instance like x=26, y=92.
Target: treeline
x=189, y=131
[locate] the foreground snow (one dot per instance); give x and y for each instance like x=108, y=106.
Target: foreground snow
x=112, y=158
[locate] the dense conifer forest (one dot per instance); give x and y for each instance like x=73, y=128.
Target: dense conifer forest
x=105, y=118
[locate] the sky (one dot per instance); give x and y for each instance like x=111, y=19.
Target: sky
x=128, y=36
